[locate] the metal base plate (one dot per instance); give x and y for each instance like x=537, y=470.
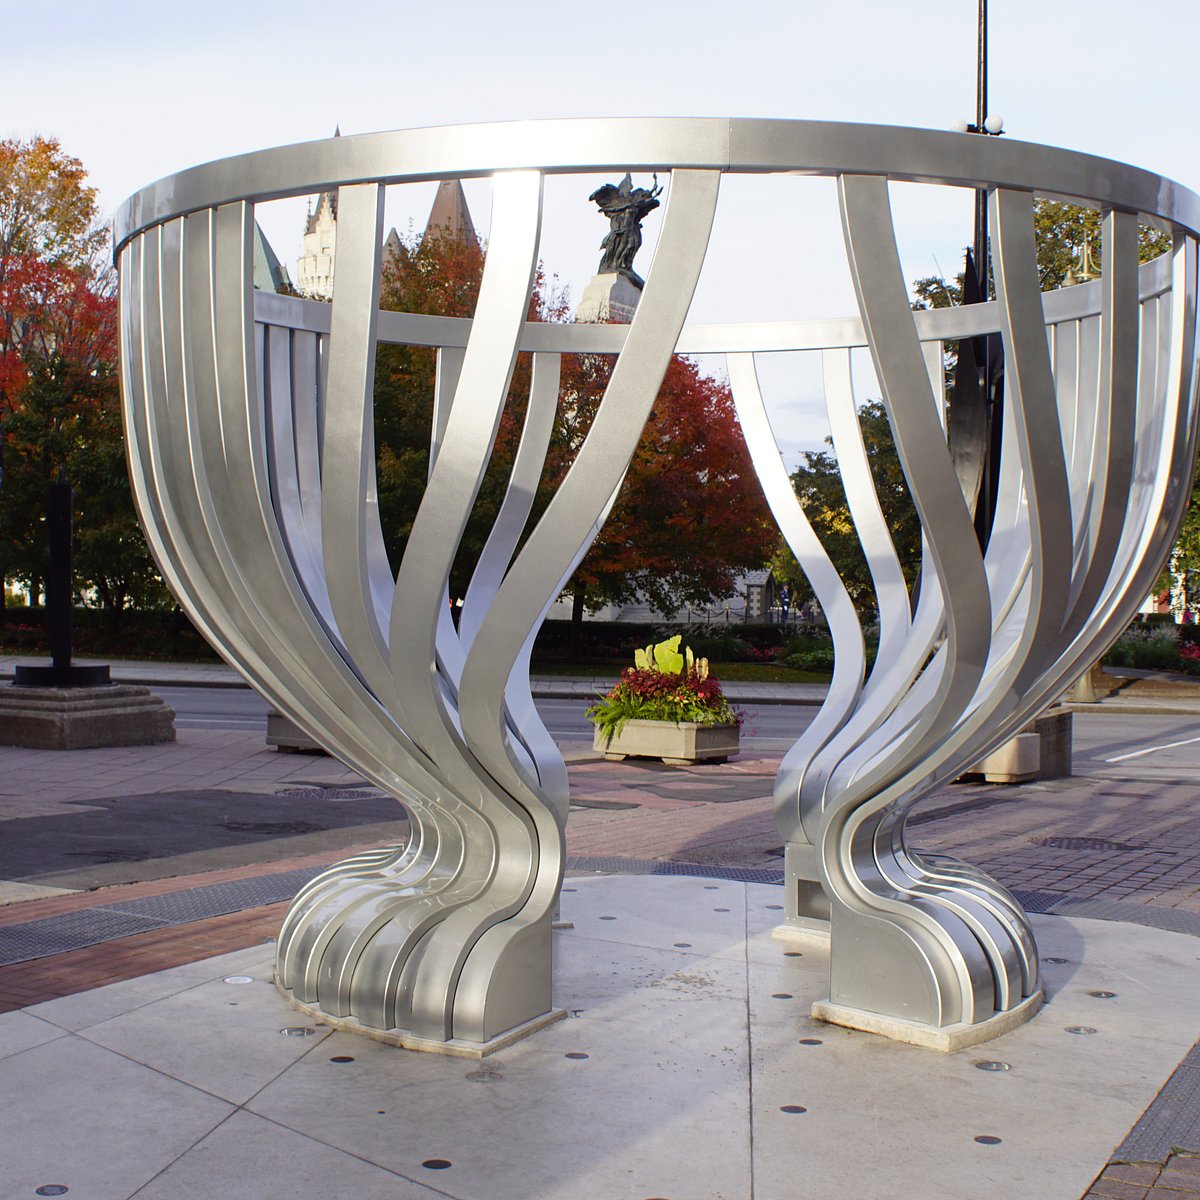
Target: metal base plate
x=455, y=1047
x=947, y=1039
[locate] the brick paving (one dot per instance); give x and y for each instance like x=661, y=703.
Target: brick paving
x=1178, y=1178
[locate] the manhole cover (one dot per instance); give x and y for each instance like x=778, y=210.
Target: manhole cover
x=361, y=792
x=277, y=828
x=1082, y=843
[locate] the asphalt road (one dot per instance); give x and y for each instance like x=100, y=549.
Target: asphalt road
x=1109, y=744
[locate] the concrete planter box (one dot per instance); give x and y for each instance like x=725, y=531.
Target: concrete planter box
x=679, y=744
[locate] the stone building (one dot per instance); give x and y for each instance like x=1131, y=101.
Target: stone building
x=449, y=217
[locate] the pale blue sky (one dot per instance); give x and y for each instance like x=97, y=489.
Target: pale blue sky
x=139, y=90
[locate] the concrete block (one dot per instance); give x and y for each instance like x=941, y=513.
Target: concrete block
x=1054, y=730
x=55, y=718
x=1017, y=760
x=686, y=742
x=285, y=734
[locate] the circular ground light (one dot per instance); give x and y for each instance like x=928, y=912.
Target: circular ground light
x=52, y=1189
x=792, y=954
x=1055, y=960
x=298, y=1031
x=810, y=1042
x=990, y=1064
x=239, y=978
x=1081, y=1029
x=986, y=1139
x=782, y=996
x=1103, y=995
x=792, y=1108
x=340, y=1058
x=608, y=918
x=682, y=945
x=436, y=1164
x=720, y=910
x=778, y=907
x=576, y=1054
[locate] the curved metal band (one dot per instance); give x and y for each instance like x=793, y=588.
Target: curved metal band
x=250, y=438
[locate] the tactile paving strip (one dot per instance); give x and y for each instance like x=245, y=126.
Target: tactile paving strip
x=217, y=899
x=1173, y=920
x=69, y=931
x=89, y=927
x=653, y=866
x=1172, y=1122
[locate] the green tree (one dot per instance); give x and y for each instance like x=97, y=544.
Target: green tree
x=818, y=484
x=59, y=398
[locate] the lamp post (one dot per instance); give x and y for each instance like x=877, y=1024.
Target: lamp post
x=977, y=427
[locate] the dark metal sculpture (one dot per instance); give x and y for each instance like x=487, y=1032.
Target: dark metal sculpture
x=625, y=206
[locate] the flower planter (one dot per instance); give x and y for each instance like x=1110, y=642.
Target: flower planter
x=687, y=742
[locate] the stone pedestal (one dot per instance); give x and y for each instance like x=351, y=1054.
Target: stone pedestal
x=82, y=718
x=1042, y=750
x=610, y=297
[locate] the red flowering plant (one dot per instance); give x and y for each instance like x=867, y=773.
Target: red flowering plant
x=663, y=685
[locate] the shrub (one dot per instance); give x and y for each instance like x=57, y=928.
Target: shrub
x=1146, y=647
x=663, y=686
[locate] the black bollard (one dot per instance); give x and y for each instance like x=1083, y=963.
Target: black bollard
x=60, y=605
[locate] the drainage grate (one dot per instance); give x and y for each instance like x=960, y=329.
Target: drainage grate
x=1082, y=843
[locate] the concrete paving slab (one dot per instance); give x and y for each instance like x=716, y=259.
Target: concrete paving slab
x=253, y=1050
x=644, y=1094
x=248, y=1157
x=85, y=1009
x=18, y=893
x=20, y=1031
x=706, y=917
x=83, y=1117
x=690, y=1071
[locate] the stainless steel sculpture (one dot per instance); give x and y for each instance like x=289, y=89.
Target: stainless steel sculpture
x=250, y=448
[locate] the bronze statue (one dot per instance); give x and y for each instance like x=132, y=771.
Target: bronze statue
x=625, y=206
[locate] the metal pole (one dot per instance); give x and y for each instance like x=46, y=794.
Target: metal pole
x=981, y=85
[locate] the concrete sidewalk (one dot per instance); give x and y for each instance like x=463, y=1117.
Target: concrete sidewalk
x=688, y=1068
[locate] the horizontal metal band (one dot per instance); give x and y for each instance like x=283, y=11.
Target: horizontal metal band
x=662, y=144
x=933, y=325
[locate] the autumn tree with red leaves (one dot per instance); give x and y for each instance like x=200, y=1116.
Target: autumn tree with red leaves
x=59, y=396
x=690, y=515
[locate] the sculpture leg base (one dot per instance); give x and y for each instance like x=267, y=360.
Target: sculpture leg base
x=803, y=929
x=947, y=1038
x=455, y=1047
